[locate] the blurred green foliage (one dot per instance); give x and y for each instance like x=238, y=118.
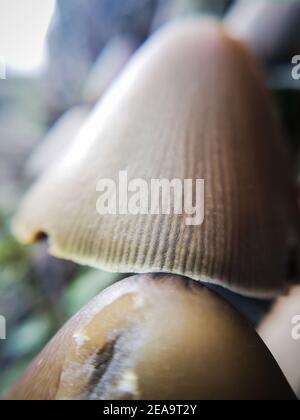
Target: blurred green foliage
x=31, y=318
x=13, y=256
x=27, y=304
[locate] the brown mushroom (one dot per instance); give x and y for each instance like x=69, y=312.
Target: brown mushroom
x=155, y=337
x=191, y=105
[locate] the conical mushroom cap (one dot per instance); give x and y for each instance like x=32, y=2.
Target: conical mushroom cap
x=190, y=105
x=155, y=337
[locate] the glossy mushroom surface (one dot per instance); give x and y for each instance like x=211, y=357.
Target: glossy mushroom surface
x=155, y=337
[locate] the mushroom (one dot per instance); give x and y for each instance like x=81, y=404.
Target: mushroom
x=281, y=333
x=191, y=104
x=154, y=337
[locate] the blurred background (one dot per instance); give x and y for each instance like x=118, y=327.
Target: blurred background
x=60, y=57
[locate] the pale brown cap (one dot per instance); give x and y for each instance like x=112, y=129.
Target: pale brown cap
x=191, y=105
